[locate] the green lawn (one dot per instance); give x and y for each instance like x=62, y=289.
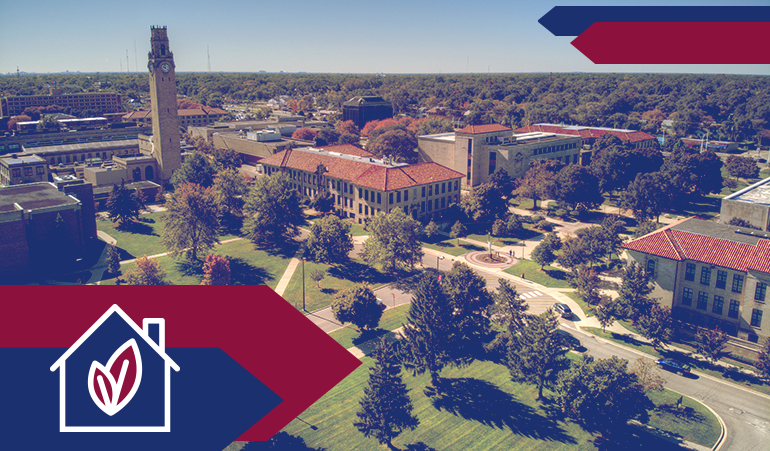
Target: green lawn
x=449, y=246
x=551, y=277
x=476, y=408
x=736, y=377
x=141, y=238
x=587, y=309
x=392, y=319
x=248, y=266
x=694, y=423
x=496, y=242
x=337, y=278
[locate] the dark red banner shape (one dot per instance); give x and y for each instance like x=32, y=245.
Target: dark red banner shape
x=252, y=324
x=675, y=43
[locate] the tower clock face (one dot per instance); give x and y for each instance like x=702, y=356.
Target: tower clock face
x=165, y=67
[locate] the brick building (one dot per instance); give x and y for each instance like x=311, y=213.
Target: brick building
x=363, y=186
x=17, y=169
x=102, y=102
x=196, y=117
x=591, y=134
x=710, y=274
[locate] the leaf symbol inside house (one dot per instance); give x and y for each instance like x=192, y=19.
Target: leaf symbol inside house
x=112, y=386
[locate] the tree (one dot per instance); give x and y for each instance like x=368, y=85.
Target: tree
x=195, y=169
x=594, y=243
x=323, y=202
x=394, y=238
x=431, y=229
x=327, y=136
x=536, y=352
x=226, y=159
x=304, y=134
x=502, y=182
x=317, y=275
x=577, y=187
x=647, y=196
x=216, y=270
x=16, y=119
x=656, y=325
x=113, y=259
x=485, y=203
x=710, y=343
x=539, y=182
x=386, y=409
x=744, y=167
x=458, y=230
x=357, y=305
x=272, y=211
x=229, y=188
x=692, y=173
x=499, y=228
x=648, y=374
x=606, y=314
x=514, y=225
x=330, y=240
x=763, y=362
x=645, y=228
x=601, y=394
x=612, y=167
x=586, y=282
x=508, y=311
x=429, y=330
x=399, y=144
x=543, y=254
x=467, y=294
x=634, y=293
x=123, y=206
x=349, y=138
x=573, y=253
x=613, y=227
x=348, y=128
x=192, y=222
x=146, y=272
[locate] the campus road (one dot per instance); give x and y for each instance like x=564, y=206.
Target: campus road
x=745, y=413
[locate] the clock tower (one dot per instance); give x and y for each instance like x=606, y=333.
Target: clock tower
x=165, y=120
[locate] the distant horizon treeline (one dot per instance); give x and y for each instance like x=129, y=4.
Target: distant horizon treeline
x=730, y=107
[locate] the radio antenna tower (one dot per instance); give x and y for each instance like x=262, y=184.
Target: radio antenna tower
x=208, y=54
x=136, y=60
x=127, y=68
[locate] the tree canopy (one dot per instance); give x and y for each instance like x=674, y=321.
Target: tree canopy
x=192, y=222
x=357, y=305
x=272, y=211
x=123, y=205
x=330, y=240
x=195, y=169
x=394, y=238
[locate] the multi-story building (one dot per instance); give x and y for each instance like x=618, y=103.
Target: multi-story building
x=363, y=186
x=196, y=117
x=103, y=102
x=752, y=204
x=361, y=110
x=18, y=169
x=710, y=274
x=591, y=134
x=479, y=150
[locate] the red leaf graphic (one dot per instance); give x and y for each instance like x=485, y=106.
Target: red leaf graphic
x=130, y=376
x=112, y=386
x=107, y=385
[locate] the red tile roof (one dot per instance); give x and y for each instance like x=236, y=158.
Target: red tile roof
x=347, y=149
x=362, y=172
x=680, y=245
x=143, y=114
x=488, y=128
x=586, y=132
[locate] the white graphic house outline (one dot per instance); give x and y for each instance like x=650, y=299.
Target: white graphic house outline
x=160, y=348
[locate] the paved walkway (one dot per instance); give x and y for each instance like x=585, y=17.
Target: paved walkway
x=286, y=278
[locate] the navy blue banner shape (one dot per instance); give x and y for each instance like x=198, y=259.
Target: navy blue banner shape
x=574, y=20
x=213, y=401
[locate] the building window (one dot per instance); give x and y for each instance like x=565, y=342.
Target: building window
x=737, y=283
x=28, y=172
x=398, y=196
x=689, y=272
x=687, y=297
x=651, y=268
x=40, y=170
x=719, y=301
x=390, y=198
x=422, y=207
x=705, y=275
x=721, y=279
x=346, y=188
x=457, y=185
x=379, y=199
x=16, y=173
x=360, y=209
x=760, y=292
x=703, y=300
x=360, y=193
x=443, y=202
x=756, y=317
x=430, y=190
x=423, y=191
x=406, y=195
x=443, y=188
x=366, y=194
x=734, y=306
x=366, y=209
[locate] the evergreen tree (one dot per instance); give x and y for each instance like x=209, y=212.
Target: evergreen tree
x=386, y=409
x=536, y=352
x=123, y=206
x=508, y=313
x=467, y=294
x=634, y=293
x=429, y=330
x=113, y=260
x=192, y=222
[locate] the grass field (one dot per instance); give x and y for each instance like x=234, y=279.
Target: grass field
x=248, y=266
x=551, y=277
x=476, y=408
x=449, y=246
x=695, y=422
x=141, y=238
x=392, y=319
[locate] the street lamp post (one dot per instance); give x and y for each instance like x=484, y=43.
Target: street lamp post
x=303, y=283
x=438, y=257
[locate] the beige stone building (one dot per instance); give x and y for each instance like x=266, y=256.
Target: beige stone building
x=751, y=204
x=477, y=151
x=710, y=274
x=17, y=169
x=363, y=186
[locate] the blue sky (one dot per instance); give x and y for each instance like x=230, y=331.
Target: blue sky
x=346, y=36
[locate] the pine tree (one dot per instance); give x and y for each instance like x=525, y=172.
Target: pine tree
x=467, y=294
x=113, y=260
x=429, y=330
x=634, y=292
x=386, y=409
x=123, y=206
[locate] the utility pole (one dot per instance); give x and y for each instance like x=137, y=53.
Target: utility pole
x=303, y=283
x=208, y=54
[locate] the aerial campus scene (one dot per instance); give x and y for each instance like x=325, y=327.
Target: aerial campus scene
x=522, y=248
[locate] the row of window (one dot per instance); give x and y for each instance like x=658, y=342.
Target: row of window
x=717, y=305
x=83, y=157
x=552, y=149
x=721, y=280
x=16, y=172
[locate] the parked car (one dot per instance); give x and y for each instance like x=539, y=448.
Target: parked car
x=674, y=366
x=570, y=340
x=381, y=304
x=563, y=310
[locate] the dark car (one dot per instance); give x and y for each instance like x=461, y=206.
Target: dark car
x=570, y=340
x=563, y=310
x=674, y=366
